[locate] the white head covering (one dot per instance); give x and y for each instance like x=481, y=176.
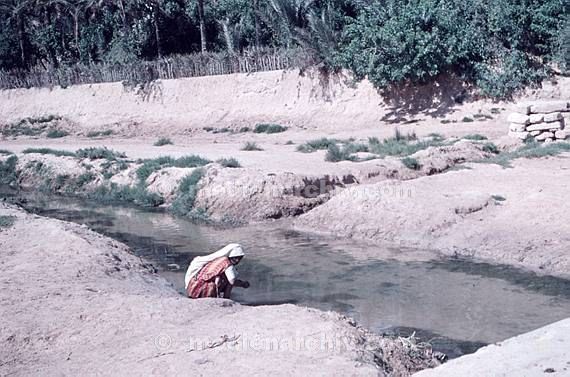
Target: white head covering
x=232, y=250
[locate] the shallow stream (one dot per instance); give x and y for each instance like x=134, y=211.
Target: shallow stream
x=457, y=305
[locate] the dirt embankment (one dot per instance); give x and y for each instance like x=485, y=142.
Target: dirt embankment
x=234, y=195
x=305, y=100
x=517, y=216
x=75, y=302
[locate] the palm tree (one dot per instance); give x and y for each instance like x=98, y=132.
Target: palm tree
x=202, y=21
x=15, y=10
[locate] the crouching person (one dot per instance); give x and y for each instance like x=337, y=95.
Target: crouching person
x=215, y=275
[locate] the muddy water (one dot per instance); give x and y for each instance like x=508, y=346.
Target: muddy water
x=457, y=305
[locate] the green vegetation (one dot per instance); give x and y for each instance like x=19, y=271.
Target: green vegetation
x=402, y=41
x=318, y=144
x=411, y=163
x=400, y=145
x=335, y=154
x=5, y=151
x=436, y=137
x=482, y=117
x=183, y=205
x=8, y=171
x=138, y=195
x=7, y=221
x=162, y=141
x=55, y=134
x=229, y=162
x=152, y=165
x=490, y=148
x=222, y=130
x=531, y=149
x=41, y=119
x=289, y=142
x=498, y=198
x=55, y=152
x=499, y=46
x=467, y=120
x=244, y=129
x=63, y=183
x=100, y=133
x=269, y=128
x=476, y=137
x=251, y=146
x=97, y=153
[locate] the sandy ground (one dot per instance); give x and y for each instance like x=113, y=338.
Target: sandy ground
x=76, y=303
x=516, y=215
x=543, y=352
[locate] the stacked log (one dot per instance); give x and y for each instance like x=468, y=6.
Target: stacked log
x=544, y=121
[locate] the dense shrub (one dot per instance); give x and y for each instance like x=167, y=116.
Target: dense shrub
x=493, y=43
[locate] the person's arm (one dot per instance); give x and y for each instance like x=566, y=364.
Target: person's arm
x=231, y=275
x=241, y=283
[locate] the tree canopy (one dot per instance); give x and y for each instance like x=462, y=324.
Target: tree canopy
x=499, y=45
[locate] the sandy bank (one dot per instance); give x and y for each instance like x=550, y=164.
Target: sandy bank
x=306, y=101
x=517, y=216
x=75, y=302
x=542, y=352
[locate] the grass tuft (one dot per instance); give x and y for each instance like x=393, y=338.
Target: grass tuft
x=114, y=193
x=8, y=174
x=411, y=163
x=98, y=153
x=269, y=128
x=183, y=205
x=55, y=152
x=475, y=137
x=100, y=133
x=491, y=148
x=315, y=145
x=467, y=120
x=162, y=141
x=531, y=149
x=336, y=154
x=229, y=162
x=56, y=134
x=251, y=146
x=7, y=221
x=152, y=165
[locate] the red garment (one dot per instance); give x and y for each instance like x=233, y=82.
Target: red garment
x=204, y=283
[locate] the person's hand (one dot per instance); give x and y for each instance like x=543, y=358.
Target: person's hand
x=246, y=284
